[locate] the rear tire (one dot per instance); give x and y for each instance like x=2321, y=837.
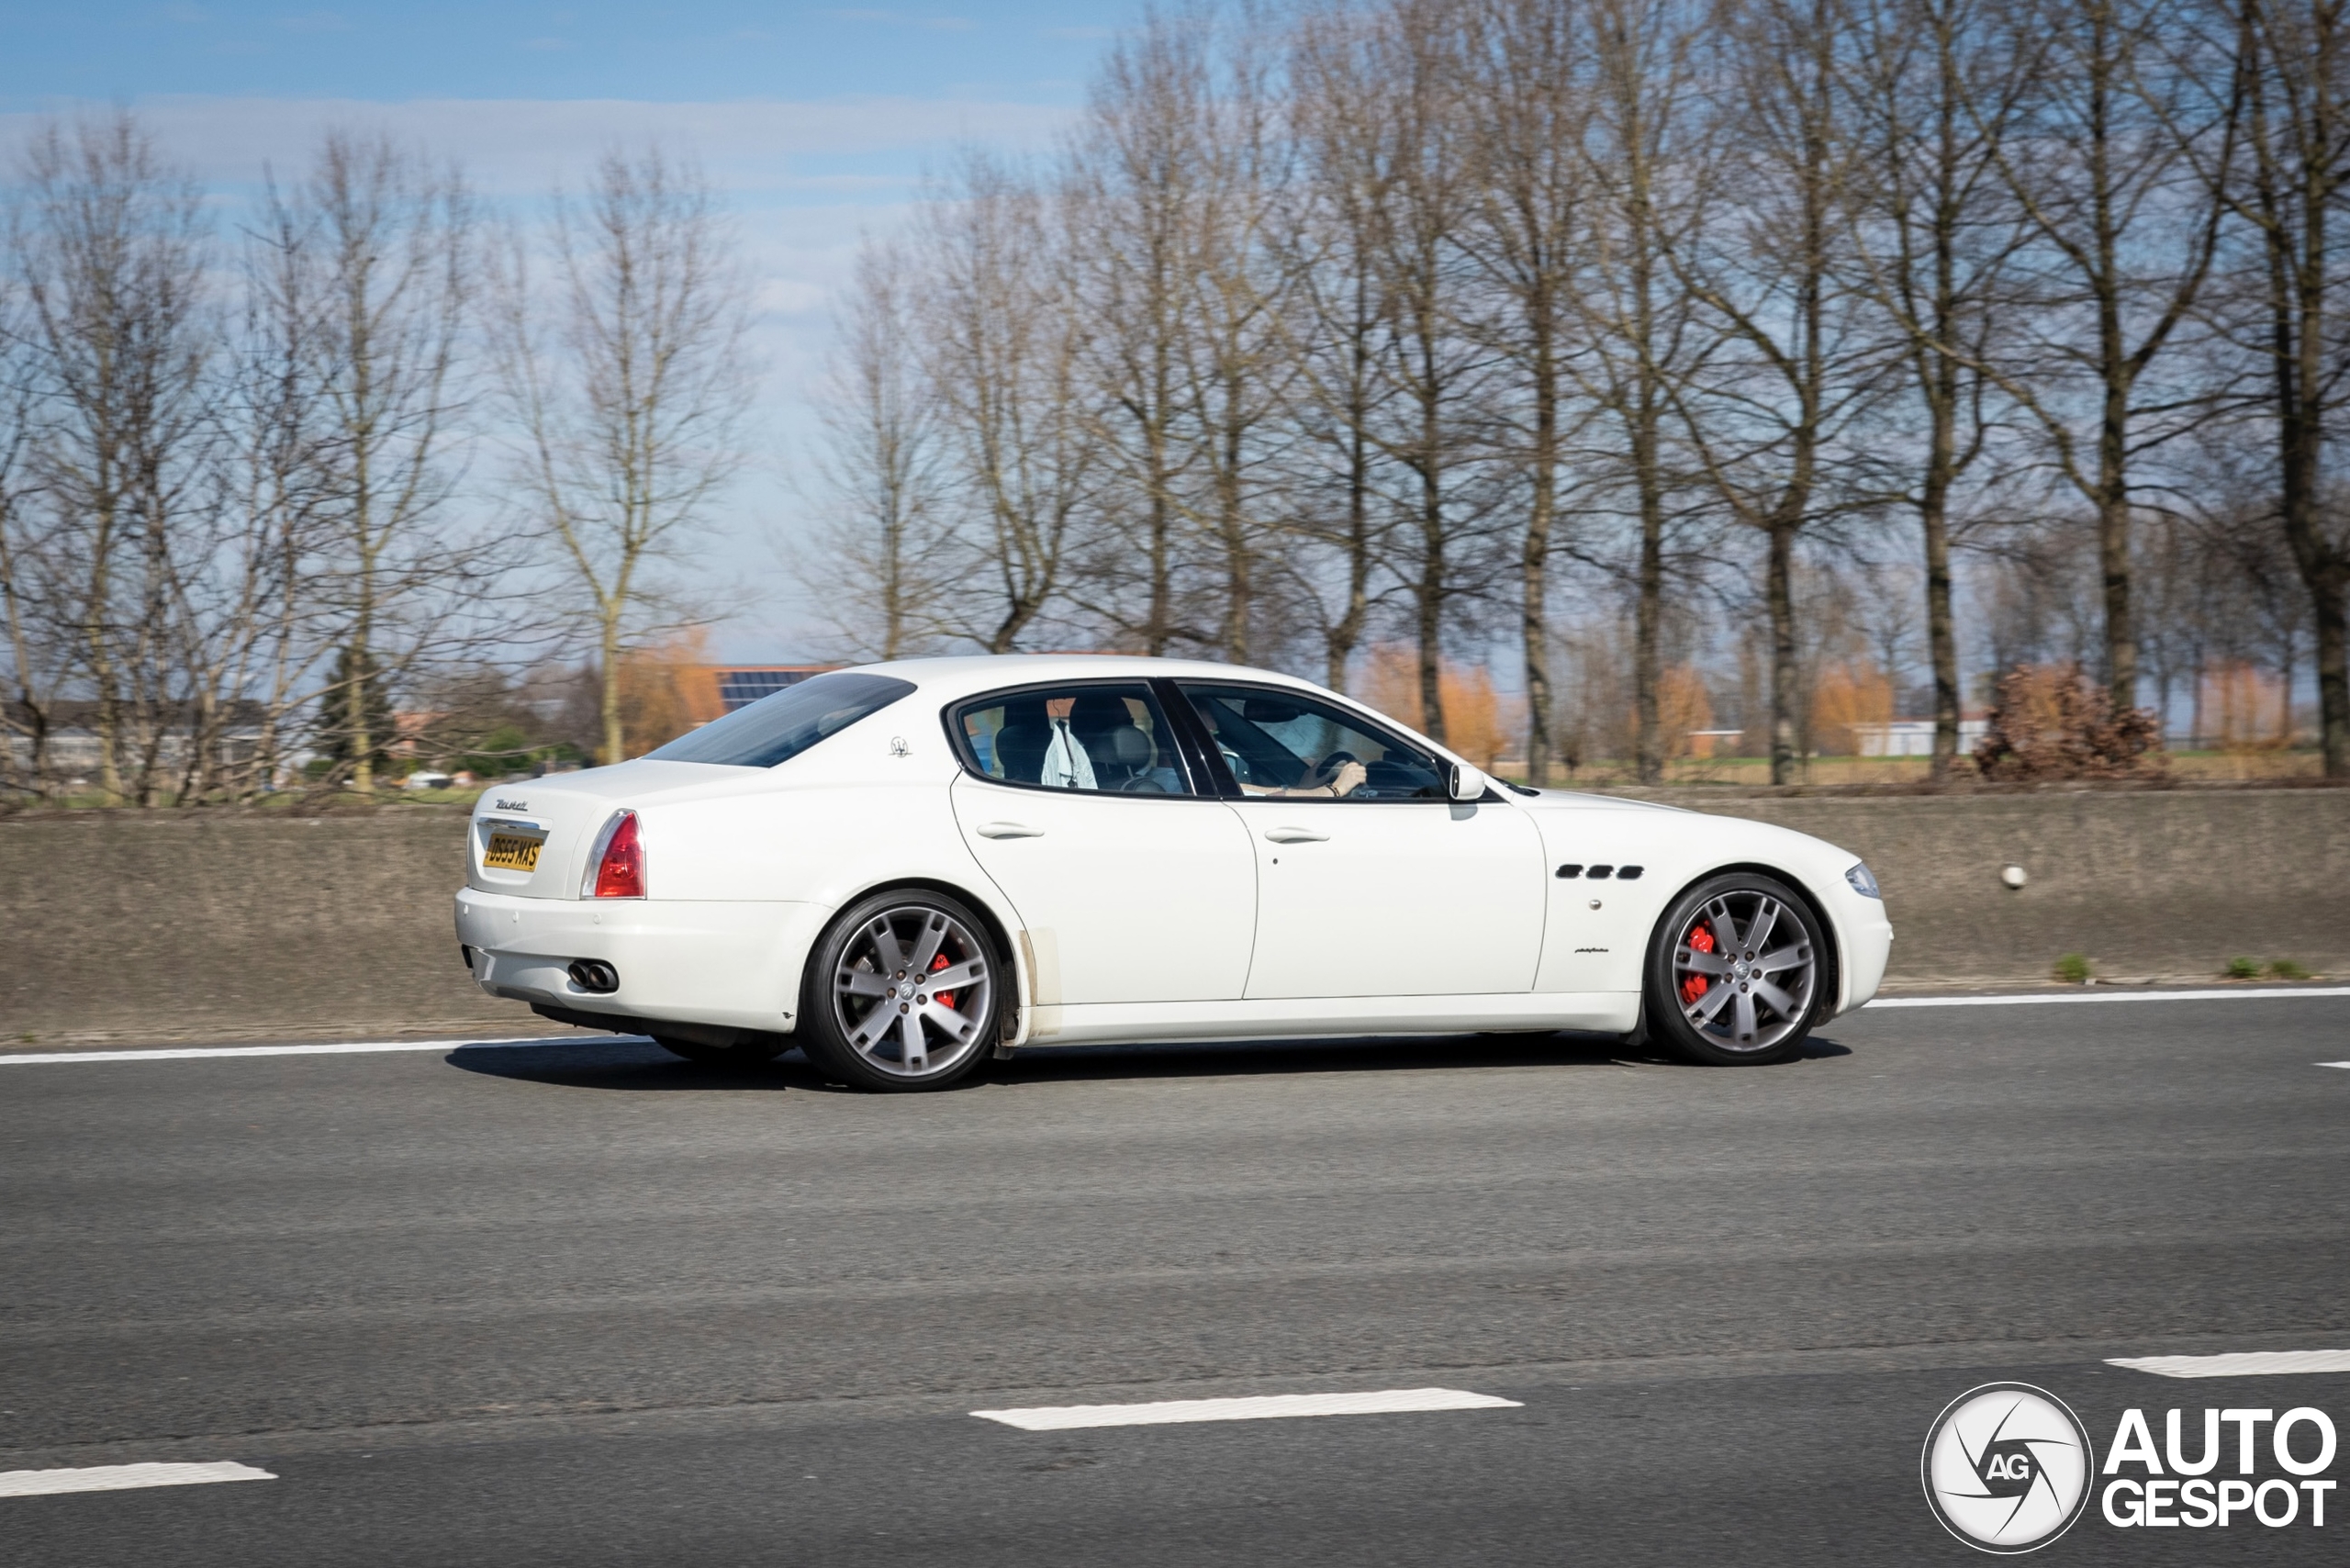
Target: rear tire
x=904, y=992
x=1736, y=973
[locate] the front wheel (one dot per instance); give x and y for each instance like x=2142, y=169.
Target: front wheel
x=903, y=994
x=1734, y=973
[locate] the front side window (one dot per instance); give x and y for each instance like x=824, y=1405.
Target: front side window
x=1290, y=746
x=778, y=728
x=1110, y=740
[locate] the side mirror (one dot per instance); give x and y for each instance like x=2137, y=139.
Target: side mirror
x=1465, y=783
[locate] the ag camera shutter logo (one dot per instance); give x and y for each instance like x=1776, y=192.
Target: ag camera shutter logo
x=2007, y=1467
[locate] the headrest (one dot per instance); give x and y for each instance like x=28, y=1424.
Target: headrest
x=1129, y=747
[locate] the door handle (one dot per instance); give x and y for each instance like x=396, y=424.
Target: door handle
x=1009, y=830
x=1297, y=835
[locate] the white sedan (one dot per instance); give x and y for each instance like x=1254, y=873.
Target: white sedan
x=908, y=868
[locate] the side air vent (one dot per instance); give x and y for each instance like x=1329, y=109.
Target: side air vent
x=1568, y=873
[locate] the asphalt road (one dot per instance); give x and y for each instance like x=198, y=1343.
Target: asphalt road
x=584, y=1304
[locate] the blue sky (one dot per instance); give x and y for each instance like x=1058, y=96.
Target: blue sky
x=818, y=120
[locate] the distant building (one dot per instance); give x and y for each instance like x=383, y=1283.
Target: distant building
x=70, y=752
x=742, y=685
x=1913, y=737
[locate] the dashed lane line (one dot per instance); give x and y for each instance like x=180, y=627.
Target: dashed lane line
x=2238, y=1363
x=1166, y=1412
x=123, y=1477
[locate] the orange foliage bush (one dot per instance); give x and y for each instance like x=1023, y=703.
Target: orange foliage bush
x=1682, y=706
x=2244, y=710
x=665, y=689
x=1844, y=698
x=2054, y=722
x=1475, y=724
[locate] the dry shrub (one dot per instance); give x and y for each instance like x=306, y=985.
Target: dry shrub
x=1846, y=698
x=666, y=689
x=1474, y=723
x=2054, y=722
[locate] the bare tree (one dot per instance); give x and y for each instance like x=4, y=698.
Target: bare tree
x=629, y=383
x=1135, y=183
x=2294, y=66
x=1644, y=156
x=883, y=564
x=1329, y=248
x=26, y=700
x=2105, y=162
x=1799, y=362
x=384, y=244
x=1524, y=60
x=1935, y=98
x=113, y=250
x=1236, y=371
x=1007, y=349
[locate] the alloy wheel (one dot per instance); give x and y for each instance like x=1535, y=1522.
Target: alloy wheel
x=1744, y=971
x=913, y=992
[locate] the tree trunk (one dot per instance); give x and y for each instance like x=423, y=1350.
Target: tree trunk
x=1648, y=745
x=1534, y=619
x=1785, y=751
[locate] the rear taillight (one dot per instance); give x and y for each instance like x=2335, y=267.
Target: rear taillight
x=616, y=865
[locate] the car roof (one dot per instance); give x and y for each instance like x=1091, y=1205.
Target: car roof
x=949, y=680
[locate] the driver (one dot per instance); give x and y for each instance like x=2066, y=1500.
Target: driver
x=1332, y=778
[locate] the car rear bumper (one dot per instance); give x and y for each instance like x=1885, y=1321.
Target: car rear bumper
x=731, y=964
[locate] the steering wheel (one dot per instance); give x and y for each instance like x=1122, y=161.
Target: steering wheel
x=1143, y=784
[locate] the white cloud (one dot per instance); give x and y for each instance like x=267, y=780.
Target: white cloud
x=512, y=146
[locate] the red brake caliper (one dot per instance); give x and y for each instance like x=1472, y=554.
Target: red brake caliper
x=945, y=998
x=1699, y=940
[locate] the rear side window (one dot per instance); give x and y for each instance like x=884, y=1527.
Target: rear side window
x=778, y=728
x=1108, y=740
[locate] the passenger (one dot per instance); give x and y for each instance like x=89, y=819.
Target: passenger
x=1066, y=764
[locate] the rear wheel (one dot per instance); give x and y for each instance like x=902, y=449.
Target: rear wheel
x=1734, y=972
x=904, y=992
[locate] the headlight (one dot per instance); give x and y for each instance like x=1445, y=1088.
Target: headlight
x=1863, y=882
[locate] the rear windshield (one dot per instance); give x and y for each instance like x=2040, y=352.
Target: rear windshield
x=778, y=728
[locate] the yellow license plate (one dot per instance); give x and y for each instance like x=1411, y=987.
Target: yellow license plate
x=512, y=852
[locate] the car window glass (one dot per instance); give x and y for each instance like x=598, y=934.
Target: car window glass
x=776, y=728
x=1108, y=740
x=1287, y=745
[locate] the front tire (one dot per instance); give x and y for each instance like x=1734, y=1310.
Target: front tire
x=904, y=992
x=1735, y=973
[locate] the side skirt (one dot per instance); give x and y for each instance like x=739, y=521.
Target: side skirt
x=1601, y=1012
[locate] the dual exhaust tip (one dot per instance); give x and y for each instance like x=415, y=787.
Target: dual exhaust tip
x=594, y=975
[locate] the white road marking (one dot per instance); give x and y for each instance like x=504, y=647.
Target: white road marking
x=2098, y=994
x=2241, y=1363
x=345, y=1047
x=361, y=1047
x=123, y=1477
x=1061, y=1418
